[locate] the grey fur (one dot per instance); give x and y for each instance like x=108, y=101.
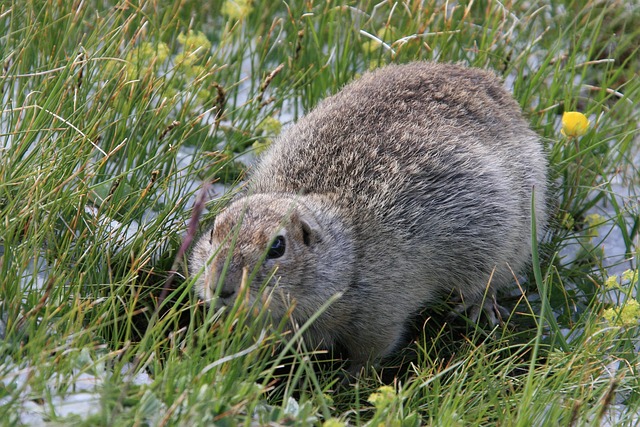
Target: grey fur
x=412, y=182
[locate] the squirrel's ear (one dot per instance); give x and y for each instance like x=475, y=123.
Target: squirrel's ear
x=310, y=235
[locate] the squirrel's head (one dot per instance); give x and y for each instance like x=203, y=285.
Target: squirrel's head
x=265, y=248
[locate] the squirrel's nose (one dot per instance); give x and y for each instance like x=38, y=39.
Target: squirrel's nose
x=222, y=286
x=227, y=286
x=226, y=291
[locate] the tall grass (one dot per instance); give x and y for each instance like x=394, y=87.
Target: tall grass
x=116, y=116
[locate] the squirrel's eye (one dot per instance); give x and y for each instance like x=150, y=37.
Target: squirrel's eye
x=277, y=248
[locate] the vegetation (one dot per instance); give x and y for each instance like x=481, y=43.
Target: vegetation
x=116, y=116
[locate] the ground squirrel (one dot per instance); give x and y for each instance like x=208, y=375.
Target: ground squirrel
x=412, y=182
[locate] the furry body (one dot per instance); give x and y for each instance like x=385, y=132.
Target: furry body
x=412, y=182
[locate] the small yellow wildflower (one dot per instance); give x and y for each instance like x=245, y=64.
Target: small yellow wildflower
x=203, y=95
x=194, y=40
x=186, y=59
x=629, y=275
x=627, y=315
x=370, y=46
x=574, y=124
x=387, y=32
x=383, y=397
x=327, y=399
x=196, y=71
x=148, y=51
x=333, y=422
x=270, y=126
x=609, y=315
x=630, y=314
x=261, y=145
x=162, y=52
x=144, y=52
x=612, y=282
x=236, y=9
x=139, y=58
x=595, y=219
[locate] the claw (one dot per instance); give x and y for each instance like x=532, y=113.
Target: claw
x=494, y=312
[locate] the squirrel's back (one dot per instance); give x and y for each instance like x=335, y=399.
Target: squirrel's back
x=414, y=140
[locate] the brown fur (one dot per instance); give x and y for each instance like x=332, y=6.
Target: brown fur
x=414, y=181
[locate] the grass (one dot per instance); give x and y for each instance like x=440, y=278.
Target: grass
x=113, y=114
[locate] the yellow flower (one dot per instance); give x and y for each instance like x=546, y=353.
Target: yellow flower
x=162, y=52
x=147, y=51
x=261, y=145
x=629, y=275
x=186, y=60
x=627, y=315
x=574, y=124
x=195, y=71
x=595, y=219
x=236, y=9
x=609, y=315
x=203, y=95
x=144, y=52
x=194, y=40
x=611, y=282
x=383, y=397
x=630, y=314
x=370, y=45
x=333, y=422
x=139, y=58
x=270, y=126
